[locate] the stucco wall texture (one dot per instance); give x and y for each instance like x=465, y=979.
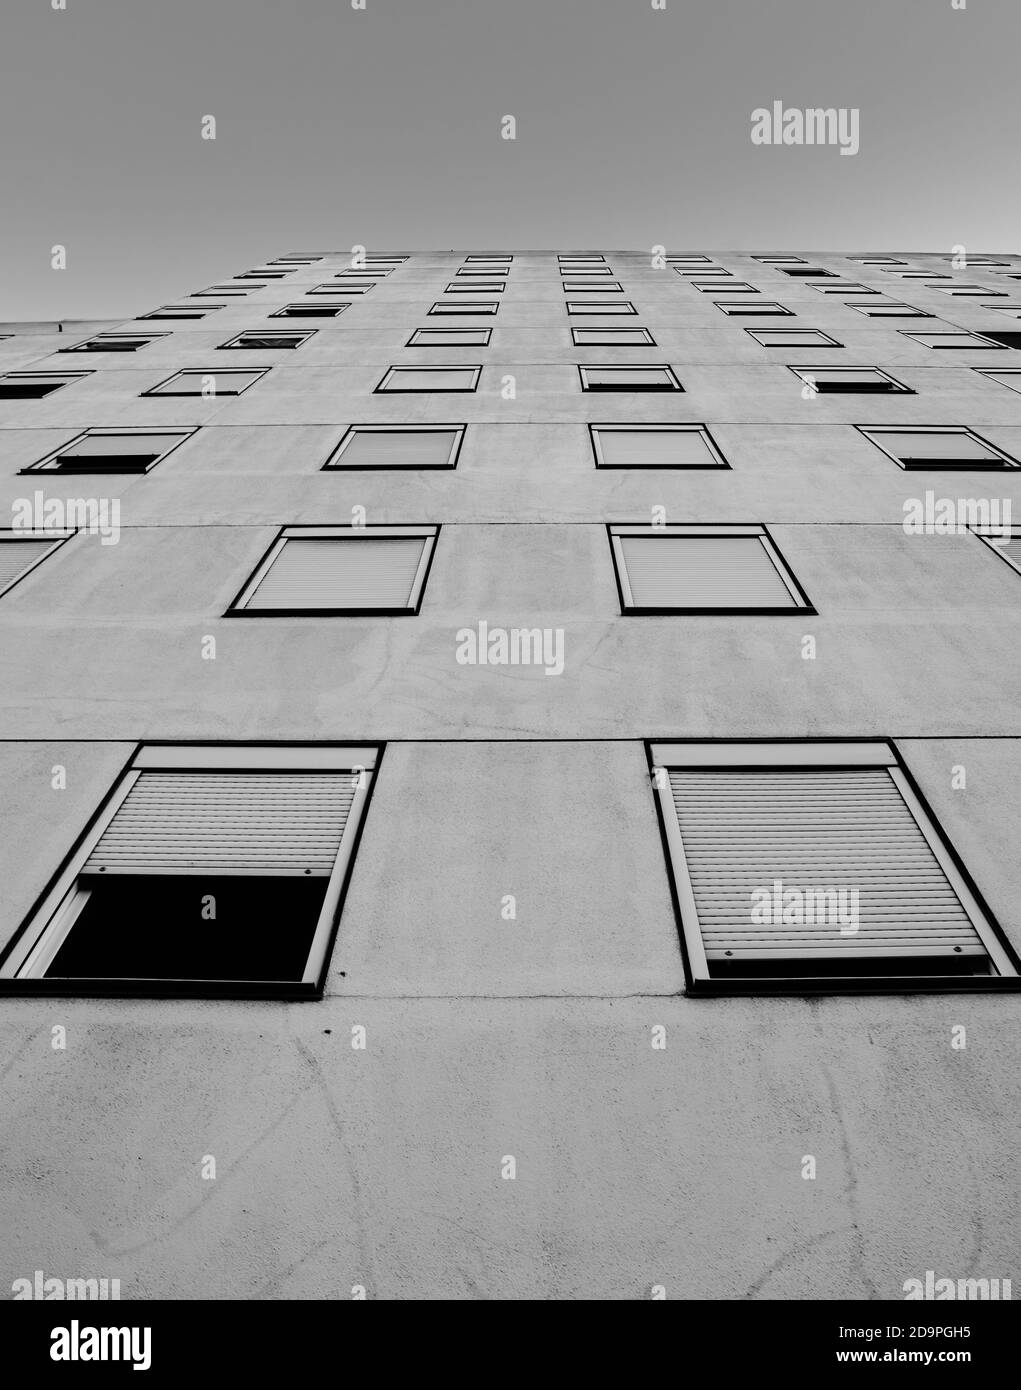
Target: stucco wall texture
x=636, y=1167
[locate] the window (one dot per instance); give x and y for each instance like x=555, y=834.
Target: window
x=465, y=307
x=816, y=866
x=792, y=337
x=845, y=287
x=600, y=306
x=716, y=286
x=268, y=339
x=450, y=337
x=688, y=260
x=347, y=287
x=322, y=571
x=936, y=446
x=450, y=378
x=976, y=261
x=182, y=311
x=114, y=342
x=589, y=272
x=477, y=287
x=1008, y=549
x=328, y=309
x=889, y=310
x=111, y=451
x=655, y=446
x=951, y=340
x=480, y=272
x=262, y=836
x=877, y=260
x=612, y=378
x=262, y=275
x=394, y=446
x=1011, y=310
x=612, y=337
x=705, y=272
x=213, y=381
x=830, y=380
x=1007, y=340
x=21, y=551
x=588, y=260
x=366, y=276
x=757, y=308
x=226, y=292
x=1009, y=376
x=779, y=260
x=486, y=260
x=580, y=286
x=965, y=290
x=915, y=275
x=809, y=272
x=33, y=386
x=703, y=569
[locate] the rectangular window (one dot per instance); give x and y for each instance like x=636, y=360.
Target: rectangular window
x=181, y=311
x=877, y=260
x=845, y=287
x=34, y=386
x=210, y=871
x=450, y=337
x=936, y=446
x=705, y=272
x=1009, y=376
x=888, y=310
x=111, y=451
x=612, y=337
x=703, y=569
x=480, y=272
x=476, y=287
x=327, y=309
x=960, y=340
x=603, y=286
x=262, y=275
x=21, y=551
x=213, y=381
x=779, y=260
x=398, y=446
x=716, y=286
x=487, y=260
x=1011, y=310
x=816, y=866
x=449, y=378
x=968, y=291
x=347, y=287
x=792, y=337
x=114, y=342
x=1001, y=339
x=269, y=339
x=613, y=378
x=227, y=291
x=915, y=275
x=754, y=308
x=689, y=260
x=809, y=272
x=600, y=306
x=332, y=571
x=588, y=272
x=465, y=307
x=655, y=446
x=587, y=260
x=830, y=380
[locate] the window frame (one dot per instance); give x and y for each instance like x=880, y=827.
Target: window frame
x=749, y=308
x=623, y=308
x=9, y=534
x=893, y=310
x=235, y=344
x=480, y=308
x=313, y=310
x=40, y=466
x=898, y=387
x=830, y=342
x=672, y=383
x=485, y=329
x=1007, y=463
x=382, y=389
x=86, y=345
x=68, y=378
x=646, y=341
x=983, y=345
x=156, y=390
x=648, y=427
x=353, y=431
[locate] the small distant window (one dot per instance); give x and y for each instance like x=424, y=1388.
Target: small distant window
x=585, y=271
x=614, y=378
x=447, y=378
x=262, y=837
x=809, y=272
x=398, y=446
x=480, y=272
x=816, y=866
x=268, y=341
x=215, y=381
x=703, y=569
x=34, y=386
x=262, y=275
x=1007, y=340
x=366, y=276
x=830, y=380
x=600, y=306
x=486, y=260
x=877, y=260
x=688, y=260
x=182, y=311
x=754, y=308
x=450, y=337
x=792, y=337
x=466, y=308
x=226, y=291
x=975, y=261
x=111, y=451
x=655, y=446
x=936, y=446
x=325, y=310
x=965, y=290
x=1011, y=310
x=612, y=337
x=915, y=275
x=716, y=286
x=114, y=342
x=959, y=340
x=588, y=260
x=845, y=287
x=476, y=287
x=320, y=571
x=344, y=287
x=1009, y=376
x=779, y=260
x=21, y=551
x=704, y=272
x=889, y=310
x=603, y=287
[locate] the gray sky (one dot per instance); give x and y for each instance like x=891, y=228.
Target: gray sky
x=337, y=126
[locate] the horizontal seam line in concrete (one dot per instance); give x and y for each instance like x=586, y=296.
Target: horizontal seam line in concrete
x=640, y=739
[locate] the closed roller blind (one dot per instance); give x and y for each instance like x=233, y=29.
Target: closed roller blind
x=702, y=572
x=207, y=822
x=457, y=337
x=919, y=446
x=622, y=337
x=431, y=381
x=16, y=556
x=105, y=445
x=398, y=449
x=627, y=376
x=654, y=449
x=843, y=829
x=323, y=572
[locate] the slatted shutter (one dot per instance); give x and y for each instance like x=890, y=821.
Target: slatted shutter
x=227, y=823
x=341, y=573
x=1012, y=549
x=655, y=449
x=702, y=572
x=847, y=828
x=17, y=555
x=398, y=449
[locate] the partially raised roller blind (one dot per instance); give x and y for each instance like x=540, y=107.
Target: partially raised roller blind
x=1011, y=548
x=341, y=572
x=829, y=829
x=227, y=822
x=907, y=444
x=702, y=572
x=16, y=556
x=654, y=449
x=398, y=449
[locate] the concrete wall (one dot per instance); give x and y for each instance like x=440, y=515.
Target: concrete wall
x=532, y=1037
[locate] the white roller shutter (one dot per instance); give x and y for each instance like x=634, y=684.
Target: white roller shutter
x=341, y=572
x=850, y=828
x=398, y=449
x=702, y=572
x=227, y=822
x=654, y=449
x=17, y=555
x=437, y=379
x=907, y=444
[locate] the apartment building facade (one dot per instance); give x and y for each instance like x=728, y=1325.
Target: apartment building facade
x=511, y=766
